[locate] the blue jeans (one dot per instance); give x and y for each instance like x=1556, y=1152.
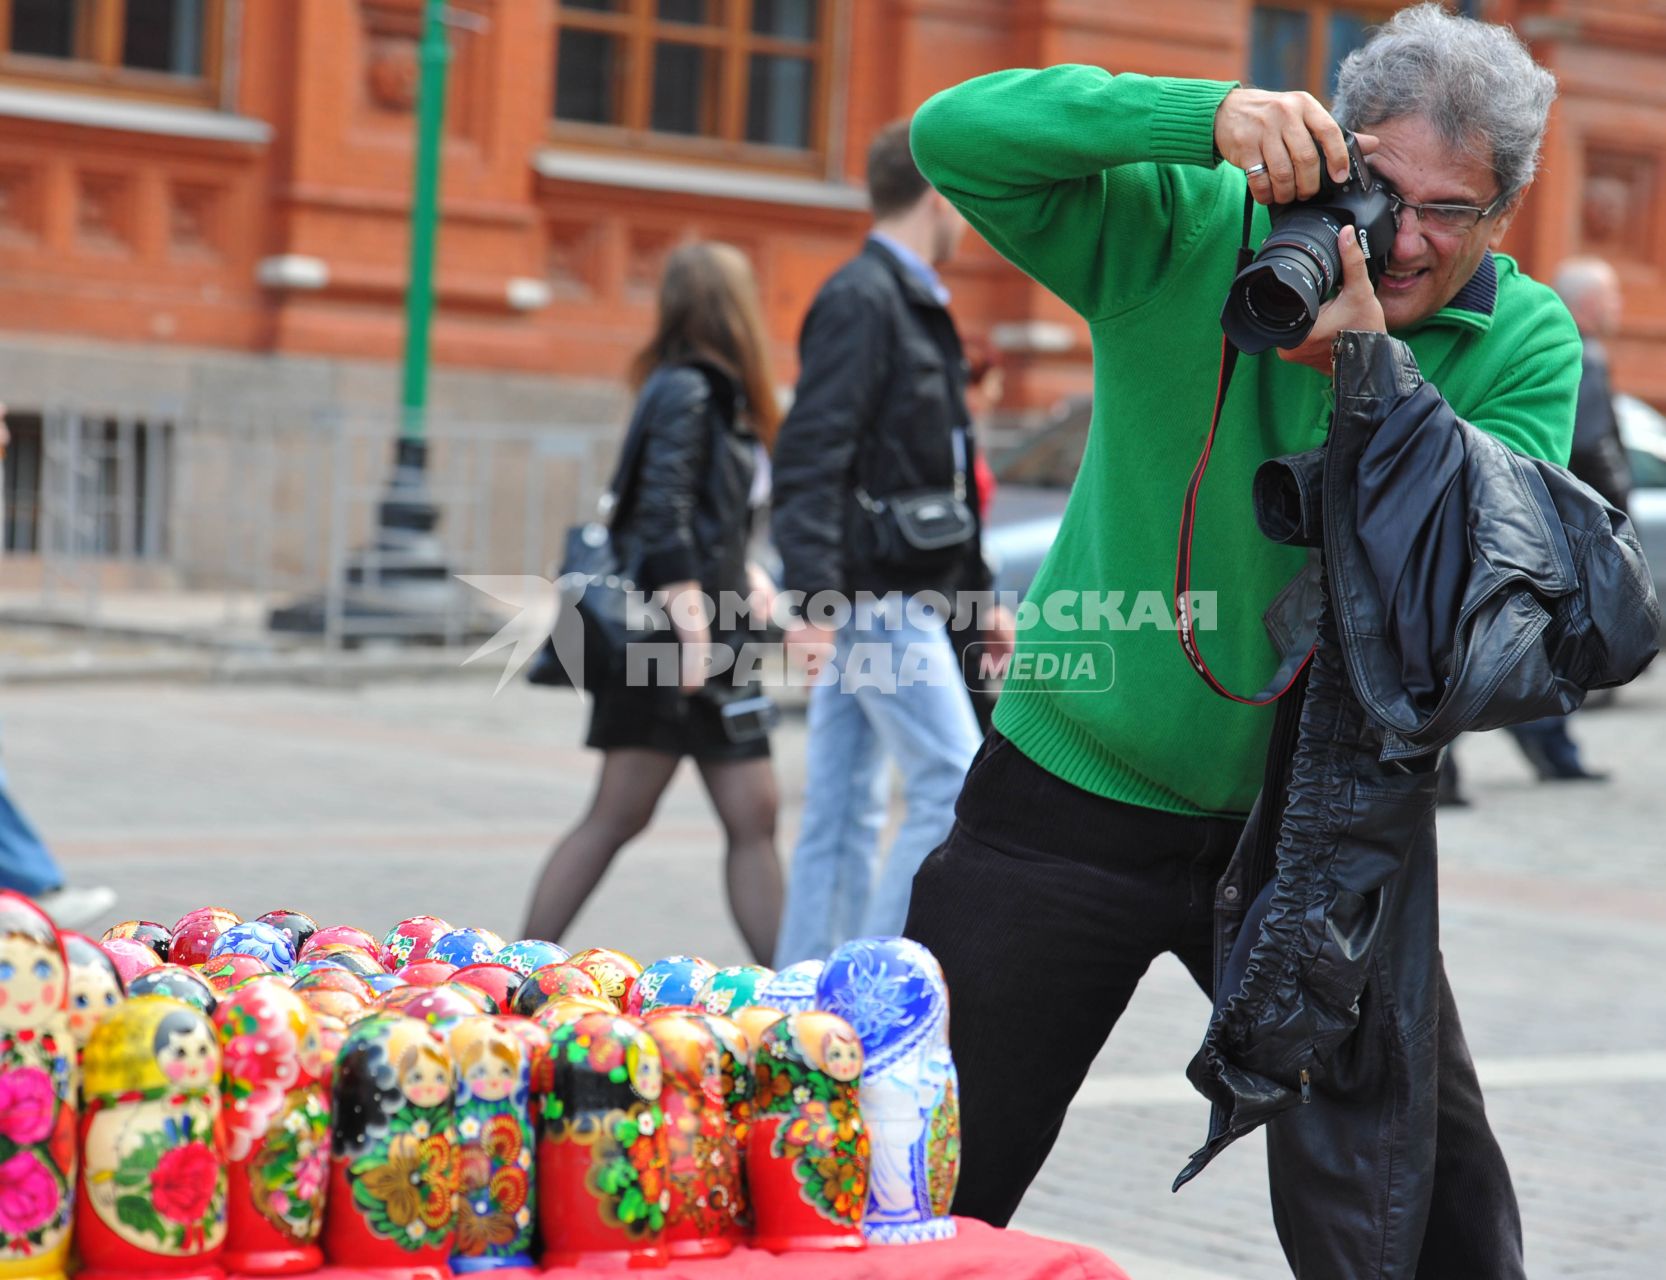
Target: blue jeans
x=25, y=865
x=899, y=697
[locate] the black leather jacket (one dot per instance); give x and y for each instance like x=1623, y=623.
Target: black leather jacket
x=1516, y=588
x=684, y=514
x=882, y=389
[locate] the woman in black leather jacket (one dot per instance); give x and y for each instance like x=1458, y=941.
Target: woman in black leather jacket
x=706, y=406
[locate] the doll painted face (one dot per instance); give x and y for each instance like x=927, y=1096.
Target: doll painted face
x=647, y=1076
x=186, y=1051
x=841, y=1055
x=32, y=982
x=490, y=1075
x=424, y=1078
x=93, y=992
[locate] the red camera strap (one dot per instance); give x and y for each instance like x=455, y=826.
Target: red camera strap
x=1283, y=679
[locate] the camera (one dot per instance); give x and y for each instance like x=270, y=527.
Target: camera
x=1275, y=300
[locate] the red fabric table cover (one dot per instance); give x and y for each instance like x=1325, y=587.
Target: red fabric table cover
x=978, y=1252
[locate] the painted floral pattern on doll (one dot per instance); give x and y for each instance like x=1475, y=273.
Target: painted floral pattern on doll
x=814, y=1087
x=495, y=1142
x=943, y=1159
x=290, y=1174
x=37, y=1086
x=155, y=1153
x=627, y=1173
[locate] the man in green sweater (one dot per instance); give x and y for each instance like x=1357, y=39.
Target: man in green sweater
x=1096, y=821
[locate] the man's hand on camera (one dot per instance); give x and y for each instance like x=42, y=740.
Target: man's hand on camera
x=1355, y=306
x=1280, y=130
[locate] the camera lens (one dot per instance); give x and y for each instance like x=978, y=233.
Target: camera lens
x=1275, y=300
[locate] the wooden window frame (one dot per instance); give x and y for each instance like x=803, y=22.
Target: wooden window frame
x=640, y=30
x=99, y=70
x=1319, y=14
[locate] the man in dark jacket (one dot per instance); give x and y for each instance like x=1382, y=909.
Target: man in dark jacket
x=1591, y=291
x=880, y=415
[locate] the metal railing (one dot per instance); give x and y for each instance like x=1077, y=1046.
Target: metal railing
x=262, y=511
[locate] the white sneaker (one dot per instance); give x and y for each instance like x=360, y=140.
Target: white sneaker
x=72, y=908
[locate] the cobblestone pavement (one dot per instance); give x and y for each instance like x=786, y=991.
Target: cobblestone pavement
x=365, y=805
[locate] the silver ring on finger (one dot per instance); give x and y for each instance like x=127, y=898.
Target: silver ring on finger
x=1255, y=169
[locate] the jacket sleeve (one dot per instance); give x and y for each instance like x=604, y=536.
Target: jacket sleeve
x=843, y=358
x=1092, y=183
x=675, y=448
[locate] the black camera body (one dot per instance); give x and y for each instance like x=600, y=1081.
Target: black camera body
x=1275, y=300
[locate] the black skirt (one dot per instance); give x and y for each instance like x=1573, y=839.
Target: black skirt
x=665, y=720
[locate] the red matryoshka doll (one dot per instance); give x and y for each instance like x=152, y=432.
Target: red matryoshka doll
x=498, y=1207
x=332, y=1034
x=736, y=1086
x=339, y=935
x=37, y=1094
x=153, y=935
x=807, y=1154
x=552, y=982
x=393, y=1176
x=601, y=1149
x=558, y=1013
x=277, y=1122
x=498, y=981
x=224, y=973
x=130, y=957
x=700, y=1158
x=427, y=972
x=95, y=987
x=153, y=1162
x=410, y=940
x=196, y=932
x=614, y=971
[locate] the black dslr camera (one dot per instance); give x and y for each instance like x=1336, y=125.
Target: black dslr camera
x=1275, y=300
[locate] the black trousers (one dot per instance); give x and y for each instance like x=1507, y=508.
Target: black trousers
x=1049, y=903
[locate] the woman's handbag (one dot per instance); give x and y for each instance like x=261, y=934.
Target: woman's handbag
x=596, y=617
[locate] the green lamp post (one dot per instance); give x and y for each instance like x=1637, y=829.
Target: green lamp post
x=407, y=516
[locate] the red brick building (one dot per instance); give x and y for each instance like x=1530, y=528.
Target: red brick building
x=203, y=203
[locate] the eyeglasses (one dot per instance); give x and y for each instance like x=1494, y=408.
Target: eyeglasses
x=1444, y=219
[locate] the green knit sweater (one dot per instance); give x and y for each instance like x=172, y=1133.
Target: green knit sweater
x=1108, y=191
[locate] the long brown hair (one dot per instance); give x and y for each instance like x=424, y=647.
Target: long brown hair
x=709, y=310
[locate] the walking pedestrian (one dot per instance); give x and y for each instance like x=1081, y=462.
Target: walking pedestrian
x=1096, y=823
x=706, y=409
x=877, y=445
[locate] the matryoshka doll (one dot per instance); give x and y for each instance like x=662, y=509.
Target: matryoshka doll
x=153, y=1163
x=178, y=983
x=498, y=981
x=700, y=1158
x=37, y=1094
x=131, y=957
x=498, y=1207
x=614, y=971
x=674, y=981
x=339, y=935
x=553, y=982
x=393, y=1176
x=95, y=987
x=526, y=954
x=265, y=942
x=601, y=1148
x=277, y=1122
x=147, y=932
x=297, y=926
x=737, y=1087
x=793, y=989
x=463, y=947
x=733, y=988
x=807, y=1154
x=195, y=933
x=226, y=972
x=410, y=939
x=892, y=991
